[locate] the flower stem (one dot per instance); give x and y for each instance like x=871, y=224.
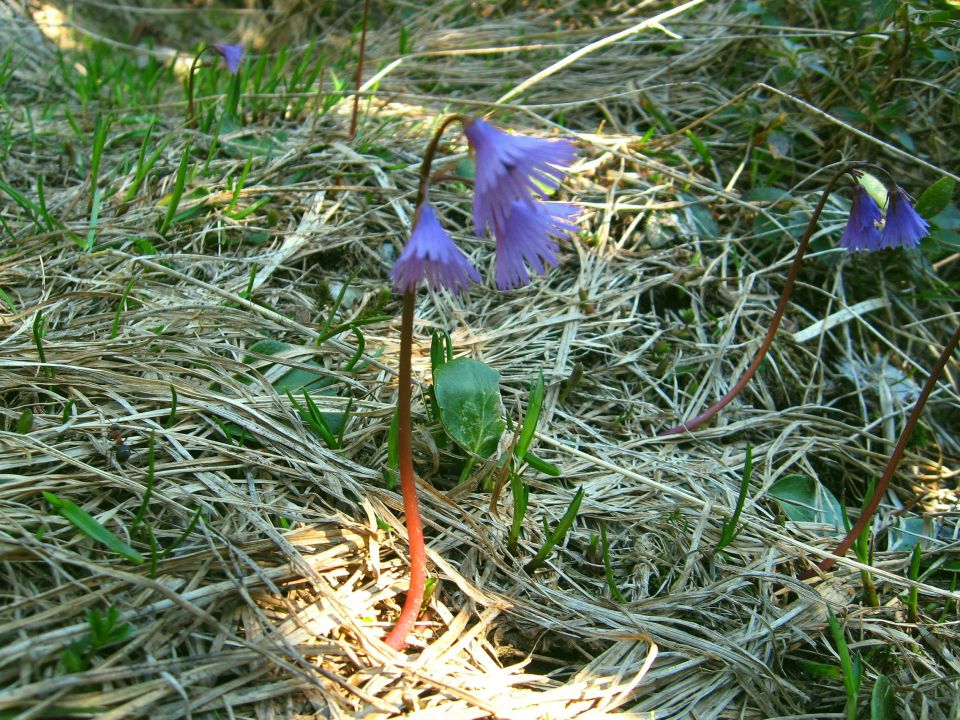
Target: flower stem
x=431, y=151
x=774, y=321
x=894, y=460
x=397, y=638
x=191, y=120
x=363, y=50
x=408, y=486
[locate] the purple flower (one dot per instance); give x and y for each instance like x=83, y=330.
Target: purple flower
x=231, y=54
x=431, y=253
x=511, y=168
x=524, y=238
x=861, y=232
x=903, y=227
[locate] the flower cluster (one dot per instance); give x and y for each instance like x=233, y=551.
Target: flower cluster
x=902, y=226
x=511, y=171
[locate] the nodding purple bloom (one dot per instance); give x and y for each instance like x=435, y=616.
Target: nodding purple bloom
x=903, y=227
x=510, y=168
x=861, y=232
x=231, y=54
x=524, y=238
x=430, y=253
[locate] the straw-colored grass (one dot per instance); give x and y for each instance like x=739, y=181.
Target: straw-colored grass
x=276, y=602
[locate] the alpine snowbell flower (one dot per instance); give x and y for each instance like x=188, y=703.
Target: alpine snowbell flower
x=903, y=227
x=512, y=167
x=524, y=238
x=861, y=232
x=511, y=171
x=430, y=253
x=231, y=54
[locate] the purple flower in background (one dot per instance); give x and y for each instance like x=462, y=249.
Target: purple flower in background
x=231, y=54
x=511, y=168
x=430, y=253
x=903, y=227
x=861, y=232
x=524, y=239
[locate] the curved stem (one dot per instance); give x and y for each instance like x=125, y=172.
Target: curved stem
x=191, y=120
x=777, y=314
x=397, y=638
x=894, y=460
x=431, y=151
x=408, y=486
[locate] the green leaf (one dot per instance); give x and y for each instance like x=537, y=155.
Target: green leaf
x=804, y=499
x=908, y=532
x=85, y=522
x=468, y=393
x=881, y=700
x=25, y=421
x=766, y=195
x=298, y=380
x=250, y=145
x=934, y=199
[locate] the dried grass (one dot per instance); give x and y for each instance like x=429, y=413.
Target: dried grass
x=247, y=619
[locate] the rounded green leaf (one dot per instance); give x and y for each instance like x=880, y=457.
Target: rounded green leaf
x=804, y=499
x=468, y=393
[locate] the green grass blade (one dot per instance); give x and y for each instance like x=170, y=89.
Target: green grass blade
x=95, y=203
x=913, y=611
x=851, y=681
x=115, y=328
x=729, y=531
x=361, y=345
x=541, y=465
x=521, y=497
x=558, y=533
x=144, y=166
x=179, y=184
x=241, y=181
x=85, y=523
x=149, y=483
x=607, y=567
x=100, y=129
x=534, y=404
x=185, y=534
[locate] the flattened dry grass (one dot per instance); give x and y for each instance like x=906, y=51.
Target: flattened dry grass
x=276, y=600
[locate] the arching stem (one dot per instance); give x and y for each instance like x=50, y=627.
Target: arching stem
x=777, y=314
x=894, y=460
x=191, y=120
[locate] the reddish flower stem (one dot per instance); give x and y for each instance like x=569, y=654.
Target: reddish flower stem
x=359, y=80
x=774, y=321
x=397, y=639
x=408, y=486
x=894, y=460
